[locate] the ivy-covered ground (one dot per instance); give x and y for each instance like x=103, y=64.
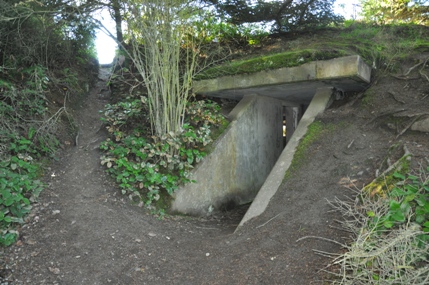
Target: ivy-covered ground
x=83, y=230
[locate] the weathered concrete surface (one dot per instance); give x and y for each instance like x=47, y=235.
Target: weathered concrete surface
x=243, y=157
x=241, y=160
x=320, y=102
x=293, y=85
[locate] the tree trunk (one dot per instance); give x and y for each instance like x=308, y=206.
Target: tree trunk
x=118, y=21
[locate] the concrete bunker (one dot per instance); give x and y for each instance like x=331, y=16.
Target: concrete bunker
x=249, y=160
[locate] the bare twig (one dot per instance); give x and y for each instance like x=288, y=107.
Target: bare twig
x=407, y=155
x=406, y=78
x=411, y=68
x=408, y=126
x=321, y=238
x=269, y=220
x=326, y=254
x=205, y=228
x=394, y=97
x=386, y=113
x=421, y=70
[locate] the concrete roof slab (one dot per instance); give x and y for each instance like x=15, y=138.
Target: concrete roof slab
x=295, y=85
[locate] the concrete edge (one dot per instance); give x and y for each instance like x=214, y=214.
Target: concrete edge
x=342, y=67
x=322, y=99
x=241, y=107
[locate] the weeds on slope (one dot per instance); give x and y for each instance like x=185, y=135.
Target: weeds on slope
x=389, y=226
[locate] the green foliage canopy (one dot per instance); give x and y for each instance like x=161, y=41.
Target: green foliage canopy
x=396, y=11
x=285, y=15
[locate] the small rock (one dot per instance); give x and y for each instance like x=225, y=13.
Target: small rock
x=152, y=234
x=421, y=126
x=55, y=212
x=138, y=240
x=54, y=270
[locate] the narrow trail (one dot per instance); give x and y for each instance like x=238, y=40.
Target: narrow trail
x=82, y=231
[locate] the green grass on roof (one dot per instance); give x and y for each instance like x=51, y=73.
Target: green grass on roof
x=274, y=61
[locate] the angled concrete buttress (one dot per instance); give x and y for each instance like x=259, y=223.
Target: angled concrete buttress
x=248, y=162
x=320, y=102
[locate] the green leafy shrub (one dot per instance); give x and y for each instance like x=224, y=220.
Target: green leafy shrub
x=212, y=29
x=408, y=201
x=151, y=168
x=18, y=187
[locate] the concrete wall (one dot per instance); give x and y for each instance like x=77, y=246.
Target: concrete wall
x=240, y=162
x=321, y=100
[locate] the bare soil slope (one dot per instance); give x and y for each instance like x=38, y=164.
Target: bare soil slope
x=83, y=231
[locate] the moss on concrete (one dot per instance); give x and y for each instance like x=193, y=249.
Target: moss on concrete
x=274, y=61
x=314, y=131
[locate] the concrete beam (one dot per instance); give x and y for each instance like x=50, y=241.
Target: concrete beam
x=295, y=84
x=320, y=102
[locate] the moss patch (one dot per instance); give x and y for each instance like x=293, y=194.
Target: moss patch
x=315, y=131
x=274, y=61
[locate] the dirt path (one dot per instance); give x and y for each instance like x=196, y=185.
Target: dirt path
x=83, y=231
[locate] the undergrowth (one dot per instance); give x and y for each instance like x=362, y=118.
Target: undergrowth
x=383, y=47
x=28, y=134
x=148, y=168
x=40, y=60
x=25, y=137
x=390, y=228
